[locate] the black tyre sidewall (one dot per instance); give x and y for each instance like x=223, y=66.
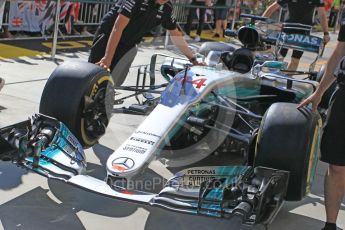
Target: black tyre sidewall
x=288, y=140
x=64, y=94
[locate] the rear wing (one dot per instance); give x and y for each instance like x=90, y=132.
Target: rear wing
x=308, y=43
x=301, y=42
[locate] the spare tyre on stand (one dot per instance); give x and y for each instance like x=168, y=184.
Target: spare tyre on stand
x=289, y=139
x=80, y=95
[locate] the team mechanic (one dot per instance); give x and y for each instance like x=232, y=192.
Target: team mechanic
x=123, y=27
x=300, y=11
x=333, y=144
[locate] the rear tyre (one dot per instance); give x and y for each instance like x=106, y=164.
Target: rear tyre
x=80, y=95
x=288, y=139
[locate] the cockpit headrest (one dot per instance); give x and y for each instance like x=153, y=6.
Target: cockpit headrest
x=241, y=60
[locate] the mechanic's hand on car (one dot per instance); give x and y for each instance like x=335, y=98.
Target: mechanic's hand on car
x=326, y=38
x=201, y=63
x=105, y=63
x=314, y=99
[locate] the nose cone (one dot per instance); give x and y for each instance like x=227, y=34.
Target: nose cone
x=120, y=165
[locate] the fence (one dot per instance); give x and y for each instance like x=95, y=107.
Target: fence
x=90, y=12
x=71, y=13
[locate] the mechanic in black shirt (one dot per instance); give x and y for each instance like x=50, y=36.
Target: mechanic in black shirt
x=333, y=143
x=123, y=27
x=300, y=11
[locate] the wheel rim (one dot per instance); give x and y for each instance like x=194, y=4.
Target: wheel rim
x=95, y=115
x=97, y=111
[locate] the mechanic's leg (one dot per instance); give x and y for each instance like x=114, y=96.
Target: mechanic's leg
x=225, y=26
x=283, y=52
x=332, y=152
x=7, y=33
x=191, y=15
x=98, y=47
x=202, y=12
x=121, y=64
x=293, y=65
x=101, y=38
x=218, y=28
x=296, y=56
x=334, y=191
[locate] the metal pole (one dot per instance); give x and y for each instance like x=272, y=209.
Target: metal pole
x=56, y=29
x=234, y=16
x=280, y=14
x=166, y=39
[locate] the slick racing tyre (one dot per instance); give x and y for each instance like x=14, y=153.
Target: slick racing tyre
x=80, y=95
x=288, y=139
x=206, y=47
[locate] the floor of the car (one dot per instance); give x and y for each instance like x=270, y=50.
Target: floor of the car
x=216, y=159
x=154, y=177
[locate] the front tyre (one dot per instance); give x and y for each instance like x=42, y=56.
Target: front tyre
x=289, y=139
x=80, y=95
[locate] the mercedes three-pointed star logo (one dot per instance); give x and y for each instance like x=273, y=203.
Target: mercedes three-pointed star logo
x=122, y=164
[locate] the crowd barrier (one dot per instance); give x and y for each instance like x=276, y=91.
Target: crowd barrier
x=89, y=12
x=40, y=15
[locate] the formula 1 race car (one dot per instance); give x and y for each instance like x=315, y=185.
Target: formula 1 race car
x=201, y=110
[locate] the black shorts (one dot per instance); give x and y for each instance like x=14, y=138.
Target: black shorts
x=333, y=139
x=341, y=36
x=295, y=53
x=220, y=14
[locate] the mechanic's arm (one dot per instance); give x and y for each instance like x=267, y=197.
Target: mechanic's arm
x=271, y=9
x=324, y=24
x=113, y=41
x=328, y=78
x=182, y=45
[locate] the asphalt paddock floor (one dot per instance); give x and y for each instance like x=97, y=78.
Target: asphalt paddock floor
x=30, y=201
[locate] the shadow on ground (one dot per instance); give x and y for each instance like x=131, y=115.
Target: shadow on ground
x=25, y=210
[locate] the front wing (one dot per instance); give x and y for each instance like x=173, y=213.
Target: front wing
x=47, y=147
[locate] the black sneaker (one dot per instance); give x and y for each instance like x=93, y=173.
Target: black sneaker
x=2, y=83
x=216, y=35
x=330, y=226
